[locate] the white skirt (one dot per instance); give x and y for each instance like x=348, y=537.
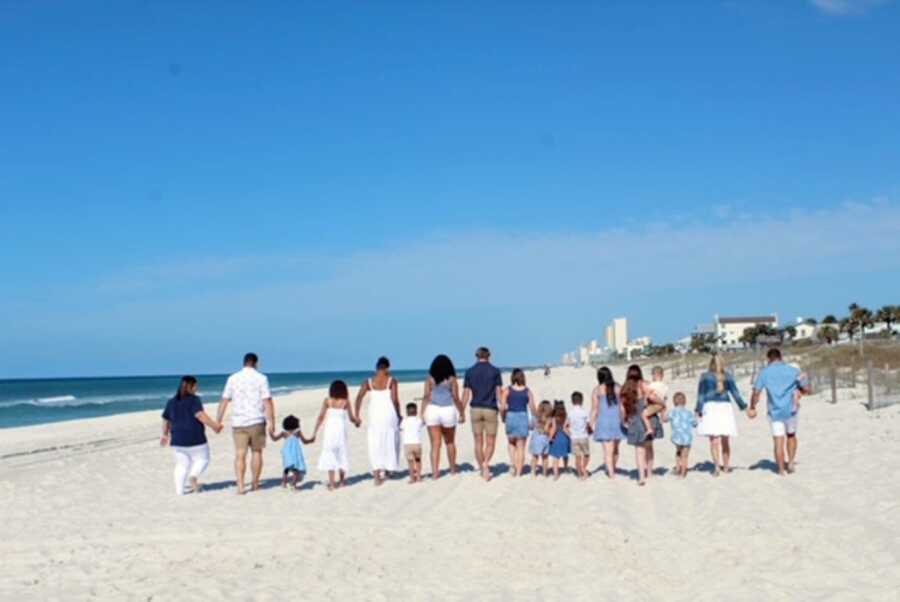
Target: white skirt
x=718, y=420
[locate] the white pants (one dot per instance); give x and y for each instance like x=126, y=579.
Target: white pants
x=780, y=428
x=190, y=462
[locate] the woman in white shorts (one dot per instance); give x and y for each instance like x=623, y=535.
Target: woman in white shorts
x=442, y=410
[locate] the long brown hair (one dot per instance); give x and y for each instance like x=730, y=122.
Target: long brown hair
x=631, y=390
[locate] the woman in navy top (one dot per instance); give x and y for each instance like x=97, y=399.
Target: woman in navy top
x=515, y=402
x=183, y=429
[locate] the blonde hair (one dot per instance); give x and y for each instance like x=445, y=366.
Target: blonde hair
x=545, y=409
x=717, y=367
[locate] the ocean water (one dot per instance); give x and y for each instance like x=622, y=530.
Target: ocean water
x=38, y=401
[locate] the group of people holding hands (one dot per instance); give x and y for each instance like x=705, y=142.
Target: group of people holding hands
x=549, y=432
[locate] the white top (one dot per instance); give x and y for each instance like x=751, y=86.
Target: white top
x=578, y=422
x=247, y=390
x=661, y=389
x=411, y=427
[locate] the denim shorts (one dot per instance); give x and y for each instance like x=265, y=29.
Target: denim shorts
x=517, y=425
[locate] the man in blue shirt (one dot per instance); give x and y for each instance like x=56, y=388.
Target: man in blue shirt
x=482, y=387
x=783, y=385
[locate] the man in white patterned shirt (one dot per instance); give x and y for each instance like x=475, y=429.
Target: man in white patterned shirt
x=248, y=393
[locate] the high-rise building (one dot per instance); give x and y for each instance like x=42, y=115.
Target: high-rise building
x=620, y=334
x=617, y=335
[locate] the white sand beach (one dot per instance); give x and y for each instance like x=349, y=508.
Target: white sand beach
x=89, y=513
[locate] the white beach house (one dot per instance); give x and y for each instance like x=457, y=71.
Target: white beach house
x=729, y=330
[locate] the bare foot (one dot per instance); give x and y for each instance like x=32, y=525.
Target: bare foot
x=486, y=473
x=330, y=486
x=642, y=483
x=791, y=468
x=195, y=485
x=727, y=469
x=412, y=480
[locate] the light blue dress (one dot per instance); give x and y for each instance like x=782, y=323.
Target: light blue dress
x=292, y=455
x=609, y=422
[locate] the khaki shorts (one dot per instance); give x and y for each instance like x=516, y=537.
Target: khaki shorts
x=581, y=447
x=253, y=437
x=413, y=452
x=485, y=421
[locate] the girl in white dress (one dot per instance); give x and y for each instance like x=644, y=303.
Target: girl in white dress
x=335, y=415
x=384, y=420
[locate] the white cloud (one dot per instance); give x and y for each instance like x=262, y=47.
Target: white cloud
x=846, y=7
x=473, y=270
x=527, y=293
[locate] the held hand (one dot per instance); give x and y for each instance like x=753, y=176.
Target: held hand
x=164, y=441
x=751, y=413
x=218, y=428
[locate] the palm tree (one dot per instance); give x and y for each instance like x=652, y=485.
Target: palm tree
x=862, y=319
x=888, y=314
x=849, y=326
x=829, y=319
x=827, y=333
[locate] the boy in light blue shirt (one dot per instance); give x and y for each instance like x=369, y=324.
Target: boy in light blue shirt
x=783, y=385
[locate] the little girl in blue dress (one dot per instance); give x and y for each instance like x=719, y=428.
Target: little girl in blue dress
x=539, y=446
x=560, y=438
x=294, y=463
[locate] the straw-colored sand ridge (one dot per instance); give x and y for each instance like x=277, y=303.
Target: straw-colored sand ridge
x=89, y=512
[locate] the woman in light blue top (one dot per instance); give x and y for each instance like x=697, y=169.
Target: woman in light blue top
x=515, y=402
x=715, y=392
x=606, y=416
x=441, y=411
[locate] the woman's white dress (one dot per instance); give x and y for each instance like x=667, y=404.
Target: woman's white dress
x=717, y=420
x=384, y=430
x=335, y=455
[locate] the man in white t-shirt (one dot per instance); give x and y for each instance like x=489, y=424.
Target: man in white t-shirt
x=248, y=394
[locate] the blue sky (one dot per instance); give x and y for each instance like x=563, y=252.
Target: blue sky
x=182, y=182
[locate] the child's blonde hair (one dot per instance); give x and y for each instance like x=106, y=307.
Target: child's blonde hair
x=679, y=399
x=545, y=409
x=658, y=371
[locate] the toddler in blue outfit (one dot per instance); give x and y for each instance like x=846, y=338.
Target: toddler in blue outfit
x=682, y=421
x=292, y=458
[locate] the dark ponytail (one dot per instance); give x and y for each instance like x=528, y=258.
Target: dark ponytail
x=186, y=383
x=605, y=378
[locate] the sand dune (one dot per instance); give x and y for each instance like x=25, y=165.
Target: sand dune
x=89, y=513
